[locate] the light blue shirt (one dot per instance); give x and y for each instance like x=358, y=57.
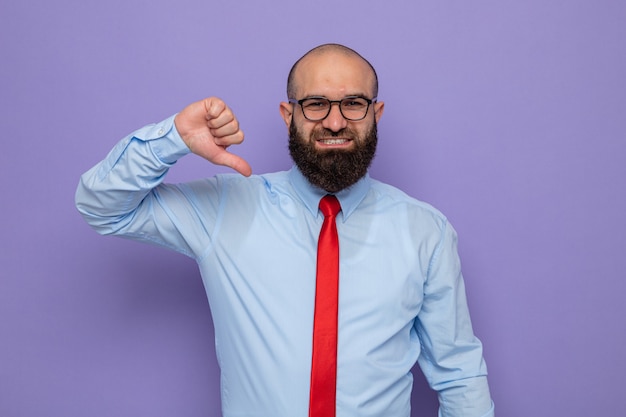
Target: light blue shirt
x=401, y=296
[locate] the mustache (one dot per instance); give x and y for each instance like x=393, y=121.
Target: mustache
x=346, y=132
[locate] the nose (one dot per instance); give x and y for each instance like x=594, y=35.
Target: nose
x=335, y=120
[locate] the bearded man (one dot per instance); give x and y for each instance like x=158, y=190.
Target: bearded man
x=295, y=336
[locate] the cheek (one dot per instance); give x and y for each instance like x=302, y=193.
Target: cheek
x=303, y=130
x=369, y=130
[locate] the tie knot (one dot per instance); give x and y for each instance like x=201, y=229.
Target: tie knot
x=329, y=205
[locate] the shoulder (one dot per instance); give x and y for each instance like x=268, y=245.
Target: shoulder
x=387, y=193
x=391, y=199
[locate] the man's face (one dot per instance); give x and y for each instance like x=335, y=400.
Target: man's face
x=332, y=169
x=332, y=153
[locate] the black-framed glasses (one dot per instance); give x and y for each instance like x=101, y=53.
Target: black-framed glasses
x=352, y=108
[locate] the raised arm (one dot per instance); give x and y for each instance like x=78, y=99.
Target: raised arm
x=124, y=195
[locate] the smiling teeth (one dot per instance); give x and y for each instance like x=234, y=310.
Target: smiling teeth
x=333, y=141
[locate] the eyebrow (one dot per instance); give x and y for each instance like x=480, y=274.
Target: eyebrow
x=363, y=95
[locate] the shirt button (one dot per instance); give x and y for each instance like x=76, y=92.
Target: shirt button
x=161, y=132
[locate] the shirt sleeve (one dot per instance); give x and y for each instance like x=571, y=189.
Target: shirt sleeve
x=451, y=357
x=124, y=194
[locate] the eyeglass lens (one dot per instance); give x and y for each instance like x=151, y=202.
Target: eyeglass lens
x=352, y=108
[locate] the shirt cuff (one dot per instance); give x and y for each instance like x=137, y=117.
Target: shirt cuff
x=164, y=140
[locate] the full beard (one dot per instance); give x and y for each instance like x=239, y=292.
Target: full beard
x=332, y=169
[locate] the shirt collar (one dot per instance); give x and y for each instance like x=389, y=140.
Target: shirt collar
x=311, y=195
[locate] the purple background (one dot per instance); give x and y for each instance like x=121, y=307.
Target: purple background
x=509, y=116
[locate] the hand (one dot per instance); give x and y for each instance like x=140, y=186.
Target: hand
x=208, y=127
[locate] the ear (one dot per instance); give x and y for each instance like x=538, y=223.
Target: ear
x=286, y=112
x=379, y=107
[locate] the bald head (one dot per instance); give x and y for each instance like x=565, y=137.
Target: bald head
x=323, y=51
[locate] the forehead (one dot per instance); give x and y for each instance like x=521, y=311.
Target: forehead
x=333, y=75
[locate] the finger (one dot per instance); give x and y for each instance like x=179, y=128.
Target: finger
x=224, y=118
x=227, y=141
x=226, y=137
x=214, y=107
x=225, y=158
x=216, y=154
x=220, y=118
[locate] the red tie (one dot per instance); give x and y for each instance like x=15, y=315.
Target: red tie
x=324, y=363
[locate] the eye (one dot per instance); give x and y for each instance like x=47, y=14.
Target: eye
x=353, y=103
x=315, y=104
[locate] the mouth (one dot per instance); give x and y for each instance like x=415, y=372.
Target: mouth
x=333, y=142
